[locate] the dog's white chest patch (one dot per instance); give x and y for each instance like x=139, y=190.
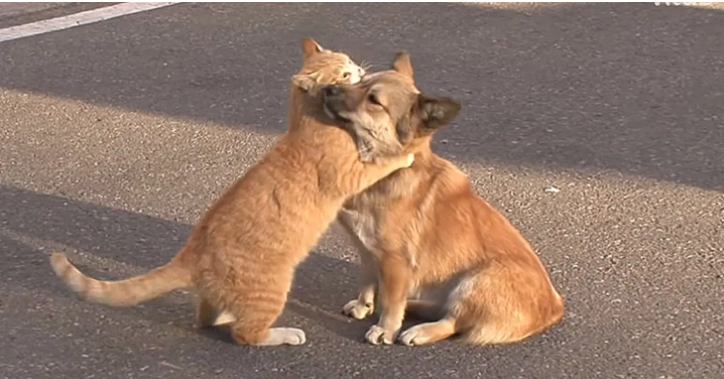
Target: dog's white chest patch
x=364, y=227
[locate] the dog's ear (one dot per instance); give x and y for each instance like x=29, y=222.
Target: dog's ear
x=435, y=112
x=310, y=47
x=304, y=81
x=402, y=64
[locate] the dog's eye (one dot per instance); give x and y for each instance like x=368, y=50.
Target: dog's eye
x=372, y=98
x=346, y=75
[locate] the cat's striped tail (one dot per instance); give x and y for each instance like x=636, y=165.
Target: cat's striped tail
x=122, y=293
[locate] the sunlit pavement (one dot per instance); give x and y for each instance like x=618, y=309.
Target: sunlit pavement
x=115, y=136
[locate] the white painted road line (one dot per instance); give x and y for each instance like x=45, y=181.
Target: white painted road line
x=77, y=19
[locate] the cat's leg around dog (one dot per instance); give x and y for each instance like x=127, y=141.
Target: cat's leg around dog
x=373, y=172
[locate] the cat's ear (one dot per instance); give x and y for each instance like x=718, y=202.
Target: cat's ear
x=310, y=47
x=304, y=81
x=402, y=64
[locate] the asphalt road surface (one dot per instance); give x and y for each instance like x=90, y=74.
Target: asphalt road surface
x=115, y=136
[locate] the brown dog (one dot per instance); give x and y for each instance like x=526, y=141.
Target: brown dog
x=434, y=247
x=241, y=256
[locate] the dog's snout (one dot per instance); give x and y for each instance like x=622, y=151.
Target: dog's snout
x=332, y=91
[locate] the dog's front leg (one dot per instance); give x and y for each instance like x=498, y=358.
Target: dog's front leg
x=395, y=281
x=364, y=305
x=361, y=229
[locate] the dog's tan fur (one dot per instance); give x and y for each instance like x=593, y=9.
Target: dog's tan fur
x=241, y=256
x=435, y=248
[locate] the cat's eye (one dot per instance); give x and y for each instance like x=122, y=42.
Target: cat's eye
x=346, y=75
x=372, y=98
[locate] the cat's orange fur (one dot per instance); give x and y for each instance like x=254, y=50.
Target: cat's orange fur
x=242, y=254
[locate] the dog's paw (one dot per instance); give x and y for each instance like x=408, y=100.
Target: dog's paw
x=377, y=335
x=358, y=310
x=415, y=336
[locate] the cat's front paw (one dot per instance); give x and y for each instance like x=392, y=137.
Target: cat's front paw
x=410, y=160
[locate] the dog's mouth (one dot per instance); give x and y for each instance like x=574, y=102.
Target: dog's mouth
x=331, y=112
x=334, y=115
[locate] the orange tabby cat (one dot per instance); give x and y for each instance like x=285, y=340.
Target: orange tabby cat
x=241, y=256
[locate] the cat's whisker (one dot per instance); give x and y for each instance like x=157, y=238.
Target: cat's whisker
x=367, y=66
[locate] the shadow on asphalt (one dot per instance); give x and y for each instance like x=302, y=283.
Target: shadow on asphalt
x=113, y=244
x=633, y=88
x=144, y=242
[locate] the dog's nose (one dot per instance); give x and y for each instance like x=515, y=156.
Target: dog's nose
x=331, y=91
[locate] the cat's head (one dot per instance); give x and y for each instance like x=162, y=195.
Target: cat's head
x=322, y=66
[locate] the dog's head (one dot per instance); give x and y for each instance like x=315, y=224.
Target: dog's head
x=388, y=104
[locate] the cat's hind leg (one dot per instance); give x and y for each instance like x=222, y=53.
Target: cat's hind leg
x=255, y=316
x=206, y=313
x=256, y=330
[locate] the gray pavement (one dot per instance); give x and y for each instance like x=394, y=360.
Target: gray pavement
x=114, y=137
x=12, y=14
